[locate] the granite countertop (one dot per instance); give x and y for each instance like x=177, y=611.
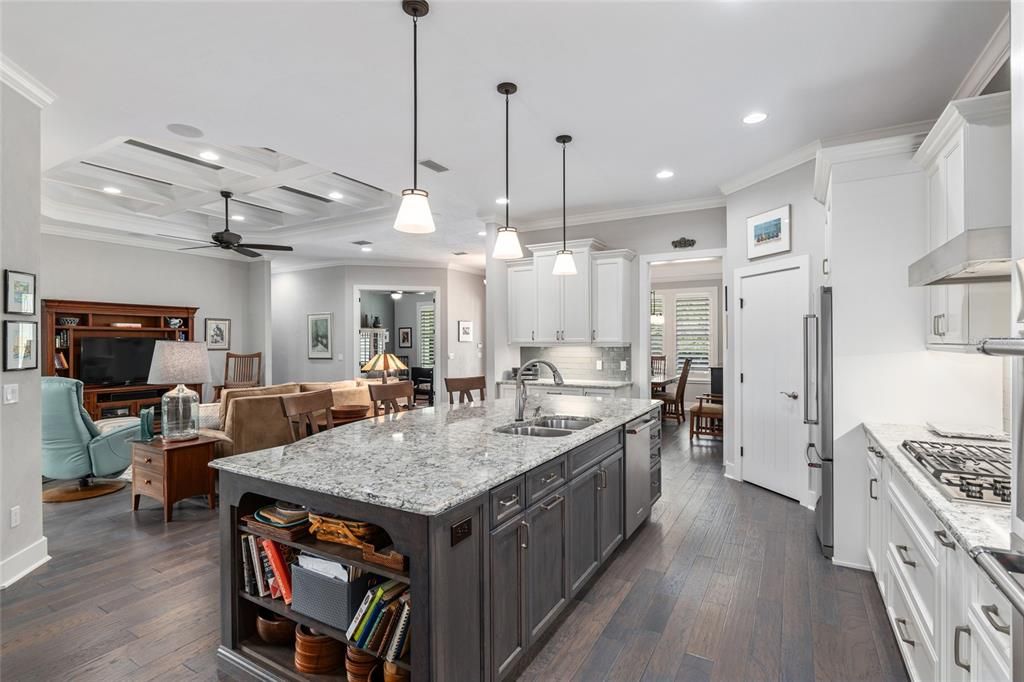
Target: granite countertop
x=429, y=460
x=573, y=383
x=972, y=524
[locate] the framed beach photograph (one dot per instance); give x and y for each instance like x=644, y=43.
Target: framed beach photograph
x=218, y=334
x=319, y=332
x=405, y=337
x=465, y=331
x=19, y=293
x=21, y=346
x=768, y=233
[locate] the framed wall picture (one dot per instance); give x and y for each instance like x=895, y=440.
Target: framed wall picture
x=218, y=334
x=768, y=233
x=405, y=337
x=19, y=293
x=21, y=345
x=465, y=331
x=319, y=336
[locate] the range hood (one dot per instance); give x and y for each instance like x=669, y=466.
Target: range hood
x=978, y=255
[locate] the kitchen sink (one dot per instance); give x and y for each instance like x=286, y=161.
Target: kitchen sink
x=570, y=423
x=532, y=430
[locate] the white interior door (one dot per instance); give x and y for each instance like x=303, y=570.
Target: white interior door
x=771, y=361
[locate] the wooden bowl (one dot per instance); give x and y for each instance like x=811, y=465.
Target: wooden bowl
x=274, y=629
x=316, y=654
x=392, y=673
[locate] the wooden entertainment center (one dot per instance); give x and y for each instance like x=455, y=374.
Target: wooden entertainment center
x=62, y=344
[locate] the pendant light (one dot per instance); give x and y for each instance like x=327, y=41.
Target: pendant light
x=414, y=214
x=565, y=264
x=506, y=245
x=655, y=317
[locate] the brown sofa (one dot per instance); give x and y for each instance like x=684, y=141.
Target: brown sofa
x=251, y=418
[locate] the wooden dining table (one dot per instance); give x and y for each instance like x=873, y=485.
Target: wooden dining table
x=660, y=381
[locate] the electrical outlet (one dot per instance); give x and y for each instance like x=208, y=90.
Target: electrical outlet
x=624, y=365
x=599, y=364
x=341, y=356
x=15, y=516
x=10, y=394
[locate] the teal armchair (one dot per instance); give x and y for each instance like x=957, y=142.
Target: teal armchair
x=76, y=447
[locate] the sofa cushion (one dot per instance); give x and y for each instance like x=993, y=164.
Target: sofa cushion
x=322, y=385
x=230, y=394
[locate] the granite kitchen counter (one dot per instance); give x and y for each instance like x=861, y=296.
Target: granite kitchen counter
x=429, y=460
x=971, y=524
x=573, y=383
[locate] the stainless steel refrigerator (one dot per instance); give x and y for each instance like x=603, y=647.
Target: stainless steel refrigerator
x=818, y=411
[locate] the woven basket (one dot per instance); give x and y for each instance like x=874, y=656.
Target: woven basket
x=345, y=532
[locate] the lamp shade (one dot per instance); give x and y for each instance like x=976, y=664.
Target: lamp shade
x=179, y=362
x=414, y=216
x=384, y=362
x=564, y=264
x=506, y=246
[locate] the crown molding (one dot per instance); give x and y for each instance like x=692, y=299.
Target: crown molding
x=771, y=169
x=901, y=139
x=376, y=263
x=588, y=244
x=139, y=242
x=24, y=83
x=984, y=110
x=992, y=57
x=605, y=216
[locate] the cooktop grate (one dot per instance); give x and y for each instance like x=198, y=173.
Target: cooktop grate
x=965, y=471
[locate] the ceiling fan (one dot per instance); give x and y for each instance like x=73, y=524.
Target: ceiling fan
x=226, y=239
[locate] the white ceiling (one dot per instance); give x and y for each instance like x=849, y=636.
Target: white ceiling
x=640, y=86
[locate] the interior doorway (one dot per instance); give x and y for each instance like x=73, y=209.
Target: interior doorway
x=404, y=324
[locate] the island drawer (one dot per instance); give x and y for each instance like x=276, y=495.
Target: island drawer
x=582, y=457
x=544, y=479
x=507, y=500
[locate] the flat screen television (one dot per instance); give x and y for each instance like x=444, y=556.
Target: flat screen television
x=118, y=361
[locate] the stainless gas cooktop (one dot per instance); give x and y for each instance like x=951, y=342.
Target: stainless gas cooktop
x=974, y=472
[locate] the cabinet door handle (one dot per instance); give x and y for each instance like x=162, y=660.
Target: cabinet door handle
x=942, y=324
x=533, y=335
x=876, y=452
x=957, y=631
x=944, y=540
x=935, y=325
x=991, y=612
x=593, y=335
x=871, y=488
x=603, y=482
x=904, y=553
x=901, y=630
x=149, y=460
x=148, y=482
x=525, y=535
x=555, y=501
x=824, y=266
x=549, y=478
x=509, y=501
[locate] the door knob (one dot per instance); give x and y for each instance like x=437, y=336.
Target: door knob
x=792, y=396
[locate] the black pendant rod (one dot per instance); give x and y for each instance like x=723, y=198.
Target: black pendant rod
x=227, y=209
x=506, y=161
x=415, y=106
x=563, y=196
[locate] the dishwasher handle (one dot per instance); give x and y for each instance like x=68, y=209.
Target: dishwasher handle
x=641, y=428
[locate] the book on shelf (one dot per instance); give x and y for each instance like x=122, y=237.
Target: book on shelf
x=279, y=567
x=262, y=588
x=398, y=648
x=248, y=575
x=60, y=361
x=126, y=325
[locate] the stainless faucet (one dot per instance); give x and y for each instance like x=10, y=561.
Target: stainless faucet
x=521, y=385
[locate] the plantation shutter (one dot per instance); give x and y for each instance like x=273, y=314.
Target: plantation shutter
x=427, y=327
x=658, y=330
x=693, y=331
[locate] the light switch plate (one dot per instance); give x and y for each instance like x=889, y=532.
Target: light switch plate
x=10, y=394
x=599, y=364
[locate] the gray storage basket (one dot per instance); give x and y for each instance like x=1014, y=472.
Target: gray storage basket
x=328, y=600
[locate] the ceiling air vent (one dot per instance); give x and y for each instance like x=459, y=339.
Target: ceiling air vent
x=460, y=253
x=434, y=166
x=301, y=193
x=173, y=155
x=362, y=242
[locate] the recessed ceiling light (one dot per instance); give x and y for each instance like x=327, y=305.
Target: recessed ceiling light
x=366, y=249
x=239, y=218
x=209, y=156
x=501, y=201
x=754, y=117
x=481, y=233
x=112, y=190
x=664, y=174
x=336, y=196
x=396, y=295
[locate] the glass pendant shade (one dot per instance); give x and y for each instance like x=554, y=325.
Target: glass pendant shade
x=565, y=264
x=414, y=216
x=506, y=246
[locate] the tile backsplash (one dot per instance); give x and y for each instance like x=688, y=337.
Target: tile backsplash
x=580, y=362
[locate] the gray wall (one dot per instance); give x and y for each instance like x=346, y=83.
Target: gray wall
x=380, y=304
x=466, y=301
x=405, y=316
x=580, y=362
x=86, y=270
x=24, y=547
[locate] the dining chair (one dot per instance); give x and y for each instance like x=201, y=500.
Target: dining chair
x=464, y=386
x=385, y=397
x=672, y=401
x=658, y=365
x=423, y=383
x=303, y=412
x=241, y=370
x=707, y=416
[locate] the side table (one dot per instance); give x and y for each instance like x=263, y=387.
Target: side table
x=173, y=470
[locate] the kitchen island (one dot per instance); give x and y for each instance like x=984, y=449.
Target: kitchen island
x=500, y=530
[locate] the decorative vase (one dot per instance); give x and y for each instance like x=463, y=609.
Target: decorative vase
x=366, y=321
x=146, y=423
x=376, y=322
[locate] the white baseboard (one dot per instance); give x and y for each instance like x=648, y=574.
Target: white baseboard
x=14, y=568
x=850, y=564
x=730, y=469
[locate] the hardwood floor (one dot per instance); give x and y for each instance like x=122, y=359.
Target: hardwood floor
x=724, y=583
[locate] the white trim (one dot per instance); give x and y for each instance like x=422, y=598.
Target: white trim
x=608, y=215
x=851, y=564
x=548, y=248
x=20, y=564
x=24, y=83
x=986, y=109
x=771, y=169
x=995, y=53
x=376, y=262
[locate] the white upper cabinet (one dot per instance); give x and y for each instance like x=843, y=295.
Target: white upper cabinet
x=576, y=296
x=612, y=296
x=548, y=299
x=522, y=301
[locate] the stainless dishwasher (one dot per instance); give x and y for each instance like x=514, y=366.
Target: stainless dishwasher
x=638, y=470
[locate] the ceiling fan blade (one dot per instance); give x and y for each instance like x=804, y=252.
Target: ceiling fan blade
x=245, y=252
x=193, y=248
x=187, y=239
x=266, y=247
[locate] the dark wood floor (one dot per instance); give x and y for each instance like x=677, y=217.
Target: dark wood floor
x=724, y=583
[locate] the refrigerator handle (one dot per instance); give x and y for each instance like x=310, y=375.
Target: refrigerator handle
x=810, y=368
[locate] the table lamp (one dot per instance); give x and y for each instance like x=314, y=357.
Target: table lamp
x=384, y=362
x=180, y=362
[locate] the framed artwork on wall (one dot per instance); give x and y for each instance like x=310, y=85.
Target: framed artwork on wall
x=218, y=334
x=768, y=233
x=465, y=331
x=21, y=346
x=319, y=333
x=19, y=293
x=405, y=337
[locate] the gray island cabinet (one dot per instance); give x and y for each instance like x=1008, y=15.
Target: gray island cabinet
x=500, y=530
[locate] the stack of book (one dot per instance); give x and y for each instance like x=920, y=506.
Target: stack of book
x=266, y=568
x=381, y=625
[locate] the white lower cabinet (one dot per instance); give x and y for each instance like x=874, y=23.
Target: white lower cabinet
x=949, y=620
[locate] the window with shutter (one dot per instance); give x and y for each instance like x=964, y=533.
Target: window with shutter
x=426, y=324
x=658, y=330
x=693, y=331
